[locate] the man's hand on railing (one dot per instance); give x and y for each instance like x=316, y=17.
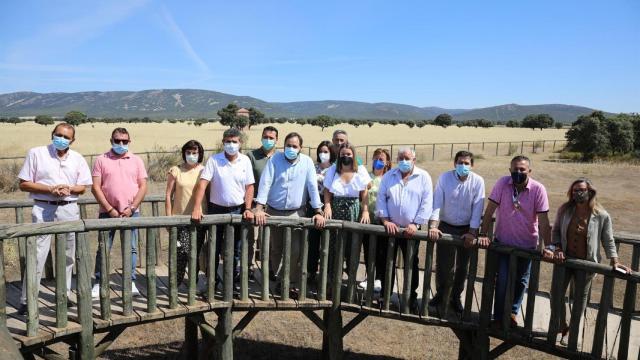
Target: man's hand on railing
x=410, y=230
x=248, y=215
x=484, y=242
x=260, y=217
x=434, y=234
x=390, y=227
x=319, y=221
x=469, y=240
x=616, y=265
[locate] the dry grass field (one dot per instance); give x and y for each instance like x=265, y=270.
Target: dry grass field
x=290, y=335
x=94, y=138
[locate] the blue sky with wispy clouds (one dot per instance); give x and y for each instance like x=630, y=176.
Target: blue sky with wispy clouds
x=452, y=54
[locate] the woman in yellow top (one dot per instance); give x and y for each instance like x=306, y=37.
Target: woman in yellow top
x=181, y=183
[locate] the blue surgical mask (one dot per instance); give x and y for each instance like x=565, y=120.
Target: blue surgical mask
x=463, y=170
x=378, y=164
x=191, y=158
x=231, y=148
x=290, y=153
x=405, y=166
x=60, y=143
x=268, y=144
x=119, y=148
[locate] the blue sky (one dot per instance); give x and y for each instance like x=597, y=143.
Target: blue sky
x=450, y=54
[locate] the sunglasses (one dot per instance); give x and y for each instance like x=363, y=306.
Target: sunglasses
x=120, y=141
x=62, y=136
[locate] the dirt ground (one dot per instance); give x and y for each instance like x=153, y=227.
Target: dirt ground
x=291, y=336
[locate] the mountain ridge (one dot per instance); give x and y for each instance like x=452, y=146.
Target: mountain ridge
x=193, y=103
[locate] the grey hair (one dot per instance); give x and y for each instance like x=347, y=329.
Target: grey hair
x=404, y=149
x=232, y=132
x=339, y=132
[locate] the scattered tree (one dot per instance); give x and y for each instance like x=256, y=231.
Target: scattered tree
x=443, y=120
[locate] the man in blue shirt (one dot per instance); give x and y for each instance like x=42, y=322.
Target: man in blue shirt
x=288, y=181
x=405, y=199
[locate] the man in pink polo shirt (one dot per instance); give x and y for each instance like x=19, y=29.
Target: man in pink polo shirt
x=54, y=176
x=119, y=185
x=522, y=206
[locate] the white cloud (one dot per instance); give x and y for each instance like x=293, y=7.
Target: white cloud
x=183, y=41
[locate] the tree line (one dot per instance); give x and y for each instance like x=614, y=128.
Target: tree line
x=596, y=135
x=229, y=116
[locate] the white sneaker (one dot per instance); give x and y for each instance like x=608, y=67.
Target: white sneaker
x=377, y=286
x=95, y=291
x=134, y=290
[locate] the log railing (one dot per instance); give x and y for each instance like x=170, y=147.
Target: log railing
x=339, y=293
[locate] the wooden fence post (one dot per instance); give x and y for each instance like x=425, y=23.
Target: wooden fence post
x=83, y=264
x=332, y=347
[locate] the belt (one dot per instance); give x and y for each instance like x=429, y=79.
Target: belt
x=458, y=227
x=59, y=202
x=227, y=208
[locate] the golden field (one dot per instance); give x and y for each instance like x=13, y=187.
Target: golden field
x=94, y=138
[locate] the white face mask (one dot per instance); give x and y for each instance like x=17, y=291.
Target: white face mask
x=191, y=158
x=231, y=148
x=324, y=157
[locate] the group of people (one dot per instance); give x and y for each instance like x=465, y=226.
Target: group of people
x=265, y=182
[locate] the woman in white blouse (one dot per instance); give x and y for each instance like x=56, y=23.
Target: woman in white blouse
x=345, y=191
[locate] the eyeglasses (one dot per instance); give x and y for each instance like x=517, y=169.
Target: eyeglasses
x=121, y=141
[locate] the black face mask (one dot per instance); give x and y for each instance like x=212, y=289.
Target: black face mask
x=518, y=177
x=581, y=196
x=346, y=160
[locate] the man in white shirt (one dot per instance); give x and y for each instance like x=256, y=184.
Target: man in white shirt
x=54, y=176
x=458, y=201
x=231, y=177
x=404, y=200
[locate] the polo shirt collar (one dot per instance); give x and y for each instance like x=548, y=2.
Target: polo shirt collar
x=113, y=155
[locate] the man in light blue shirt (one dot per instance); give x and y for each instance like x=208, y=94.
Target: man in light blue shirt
x=287, y=181
x=405, y=198
x=458, y=201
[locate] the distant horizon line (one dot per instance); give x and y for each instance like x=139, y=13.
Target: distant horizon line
x=308, y=101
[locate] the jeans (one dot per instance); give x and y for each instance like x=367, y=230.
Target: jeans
x=134, y=248
x=214, y=209
x=523, y=269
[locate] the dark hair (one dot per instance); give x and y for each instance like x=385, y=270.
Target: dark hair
x=521, y=158
x=270, y=128
x=193, y=144
x=386, y=153
x=332, y=155
x=120, y=130
x=462, y=154
x=354, y=164
x=293, y=134
x=233, y=132
x=65, y=125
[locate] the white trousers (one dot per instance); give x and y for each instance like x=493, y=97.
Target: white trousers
x=43, y=212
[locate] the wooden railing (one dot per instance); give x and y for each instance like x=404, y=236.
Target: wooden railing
x=333, y=293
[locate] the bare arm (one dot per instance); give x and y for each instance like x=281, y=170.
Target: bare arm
x=142, y=191
x=168, y=194
x=198, y=195
x=32, y=187
x=96, y=189
x=544, y=227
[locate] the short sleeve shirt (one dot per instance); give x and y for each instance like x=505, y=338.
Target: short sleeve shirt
x=186, y=182
x=258, y=160
x=43, y=166
x=338, y=187
x=517, y=215
x=228, y=179
x=119, y=177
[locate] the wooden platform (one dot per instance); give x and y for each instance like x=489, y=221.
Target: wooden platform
x=47, y=308
x=48, y=332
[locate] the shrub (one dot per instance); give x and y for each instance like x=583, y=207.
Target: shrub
x=9, y=176
x=160, y=163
